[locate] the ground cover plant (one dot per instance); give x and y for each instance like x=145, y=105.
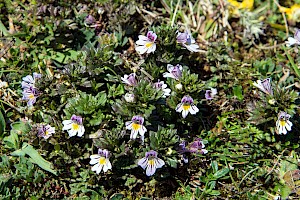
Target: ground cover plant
x=164, y=99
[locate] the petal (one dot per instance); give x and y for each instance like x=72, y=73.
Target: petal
x=170, y=67
x=95, y=156
x=144, y=38
x=94, y=161
x=159, y=163
x=192, y=47
x=65, y=122
x=95, y=167
x=291, y=41
x=288, y=125
x=150, y=170
x=29, y=79
x=141, y=49
x=185, y=113
x=72, y=133
x=67, y=126
x=141, y=42
x=168, y=75
x=193, y=109
x=179, y=107
x=143, y=162
x=142, y=130
x=133, y=134
x=81, y=131
x=152, y=48
x=107, y=165
x=99, y=169
x=204, y=151
x=128, y=125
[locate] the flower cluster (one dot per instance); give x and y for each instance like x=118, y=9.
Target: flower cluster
x=30, y=91
x=146, y=44
x=283, y=125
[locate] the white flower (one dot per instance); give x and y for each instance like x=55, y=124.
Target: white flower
x=162, y=86
x=100, y=161
x=129, y=79
x=29, y=81
x=136, y=126
x=178, y=86
x=187, y=40
x=294, y=40
x=264, y=85
x=130, y=98
x=74, y=126
x=186, y=106
x=151, y=162
x=3, y=84
x=46, y=131
x=209, y=94
x=283, y=124
x=30, y=95
x=146, y=44
x=175, y=72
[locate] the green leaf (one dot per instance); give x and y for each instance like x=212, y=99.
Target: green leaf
x=215, y=193
x=238, y=92
x=12, y=141
x=18, y=152
x=221, y=173
x=37, y=158
x=214, y=166
x=2, y=124
x=21, y=127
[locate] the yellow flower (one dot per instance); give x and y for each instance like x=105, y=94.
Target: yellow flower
x=236, y=6
x=293, y=12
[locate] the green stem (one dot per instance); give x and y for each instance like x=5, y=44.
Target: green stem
x=231, y=176
x=294, y=66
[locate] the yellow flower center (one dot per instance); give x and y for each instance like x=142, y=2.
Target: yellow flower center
x=149, y=44
x=75, y=126
x=102, y=161
x=136, y=126
x=282, y=122
x=46, y=132
x=186, y=106
x=31, y=96
x=151, y=162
